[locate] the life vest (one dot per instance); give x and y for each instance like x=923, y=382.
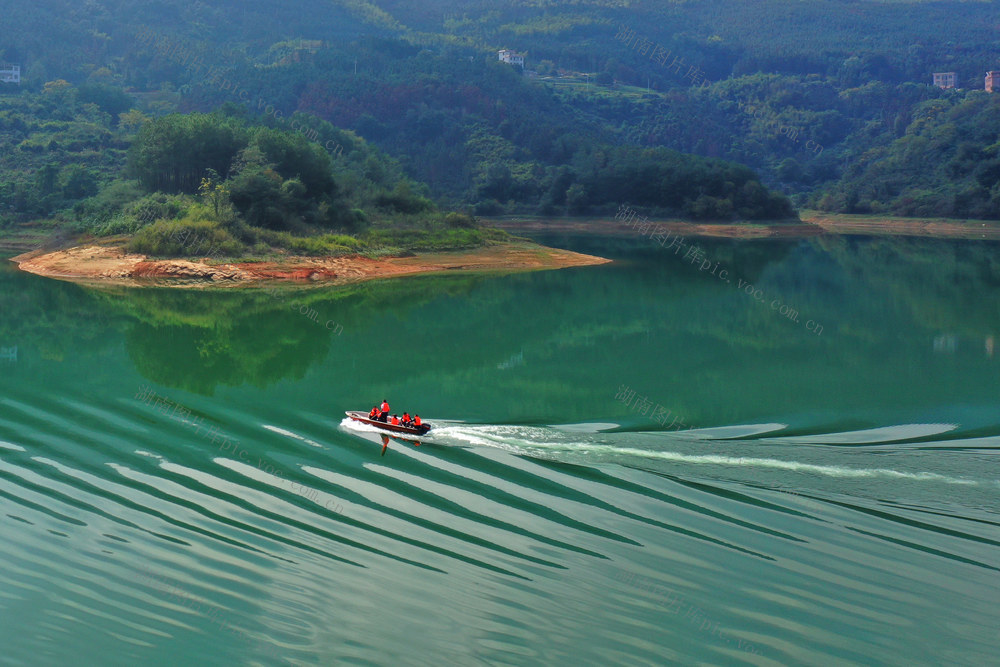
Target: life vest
x=385, y=407
x=395, y=421
x=416, y=420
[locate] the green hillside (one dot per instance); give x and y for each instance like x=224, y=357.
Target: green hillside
x=817, y=98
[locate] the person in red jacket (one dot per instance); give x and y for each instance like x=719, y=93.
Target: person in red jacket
x=374, y=413
x=385, y=411
x=405, y=421
x=395, y=420
x=416, y=420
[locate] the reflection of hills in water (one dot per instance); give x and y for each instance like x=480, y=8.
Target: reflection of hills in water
x=906, y=325
x=197, y=341
x=44, y=319
x=942, y=285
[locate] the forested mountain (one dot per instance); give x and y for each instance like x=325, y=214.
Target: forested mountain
x=829, y=101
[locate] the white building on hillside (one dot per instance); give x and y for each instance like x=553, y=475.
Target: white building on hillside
x=508, y=56
x=10, y=73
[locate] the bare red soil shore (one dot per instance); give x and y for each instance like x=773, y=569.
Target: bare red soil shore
x=103, y=264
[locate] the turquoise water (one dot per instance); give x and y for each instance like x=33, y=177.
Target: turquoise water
x=636, y=463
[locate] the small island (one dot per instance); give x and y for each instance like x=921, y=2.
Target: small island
x=209, y=200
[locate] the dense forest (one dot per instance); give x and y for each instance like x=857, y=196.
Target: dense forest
x=352, y=117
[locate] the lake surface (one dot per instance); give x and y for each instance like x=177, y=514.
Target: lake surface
x=637, y=463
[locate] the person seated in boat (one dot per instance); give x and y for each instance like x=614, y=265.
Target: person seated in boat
x=405, y=421
x=416, y=420
x=395, y=420
x=374, y=413
x=385, y=411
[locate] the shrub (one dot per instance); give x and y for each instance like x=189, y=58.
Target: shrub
x=710, y=208
x=157, y=206
x=120, y=223
x=434, y=241
x=357, y=221
x=107, y=203
x=460, y=221
x=108, y=98
x=488, y=207
x=141, y=213
x=186, y=238
x=327, y=244
x=378, y=253
x=404, y=200
x=78, y=182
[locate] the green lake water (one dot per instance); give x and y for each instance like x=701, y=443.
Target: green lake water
x=638, y=463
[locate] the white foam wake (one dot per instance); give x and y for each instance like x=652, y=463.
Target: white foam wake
x=794, y=466
x=289, y=434
x=871, y=435
x=537, y=441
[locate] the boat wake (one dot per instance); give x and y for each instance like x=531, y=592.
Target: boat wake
x=581, y=511
x=721, y=453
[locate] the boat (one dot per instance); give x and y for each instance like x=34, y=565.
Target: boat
x=363, y=418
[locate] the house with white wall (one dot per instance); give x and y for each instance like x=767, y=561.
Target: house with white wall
x=10, y=73
x=508, y=56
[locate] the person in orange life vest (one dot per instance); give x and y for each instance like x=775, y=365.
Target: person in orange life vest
x=395, y=420
x=385, y=410
x=374, y=413
x=406, y=419
x=416, y=420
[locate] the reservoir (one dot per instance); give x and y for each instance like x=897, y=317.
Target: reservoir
x=640, y=462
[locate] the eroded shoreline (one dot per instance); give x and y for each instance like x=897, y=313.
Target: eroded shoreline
x=108, y=265
x=812, y=224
